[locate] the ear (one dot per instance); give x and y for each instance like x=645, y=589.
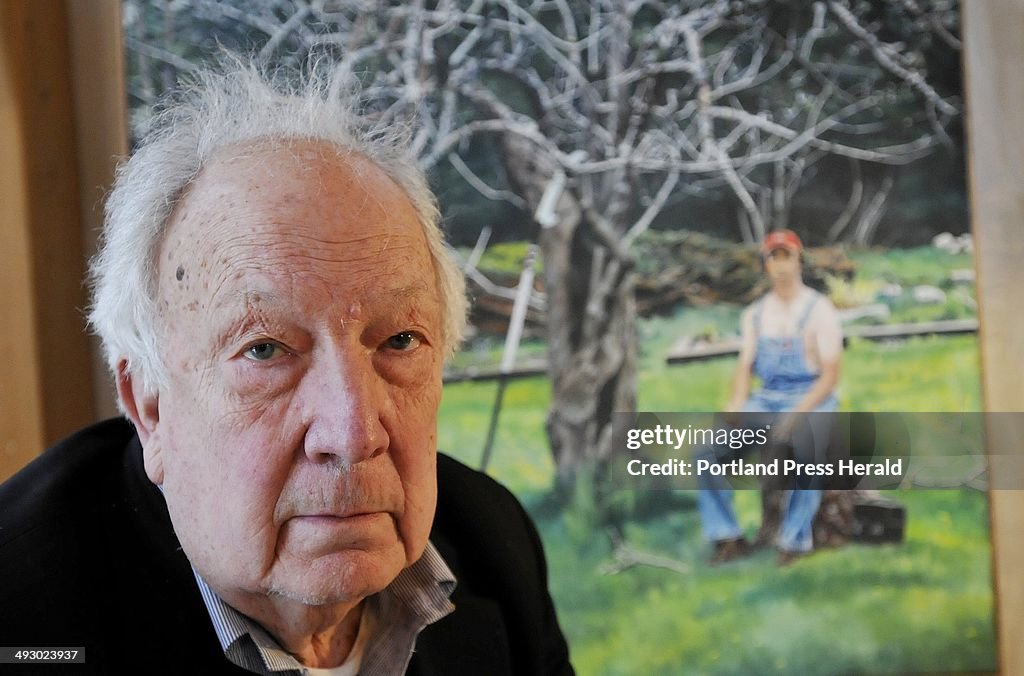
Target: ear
x=143, y=409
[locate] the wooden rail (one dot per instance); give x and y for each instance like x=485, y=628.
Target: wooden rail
x=689, y=352
x=528, y=370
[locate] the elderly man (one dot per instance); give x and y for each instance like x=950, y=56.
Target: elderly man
x=792, y=341
x=275, y=301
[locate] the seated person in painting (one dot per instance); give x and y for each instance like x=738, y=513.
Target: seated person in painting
x=792, y=342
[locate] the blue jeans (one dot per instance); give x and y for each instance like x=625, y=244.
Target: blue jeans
x=715, y=497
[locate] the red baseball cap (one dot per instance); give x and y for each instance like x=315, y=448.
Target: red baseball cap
x=781, y=239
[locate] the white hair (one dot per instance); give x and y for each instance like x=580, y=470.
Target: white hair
x=239, y=102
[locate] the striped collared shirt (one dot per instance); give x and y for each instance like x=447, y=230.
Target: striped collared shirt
x=417, y=597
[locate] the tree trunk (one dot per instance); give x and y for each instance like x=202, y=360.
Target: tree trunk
x=833, y=524
x=592, y=347
x=591, y=319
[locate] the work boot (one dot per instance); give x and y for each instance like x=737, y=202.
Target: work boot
x=788, y=557
x=730, y=550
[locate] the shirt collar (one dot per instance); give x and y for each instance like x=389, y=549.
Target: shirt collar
x=420, y=595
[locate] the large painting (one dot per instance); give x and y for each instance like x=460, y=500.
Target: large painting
x=607, y=172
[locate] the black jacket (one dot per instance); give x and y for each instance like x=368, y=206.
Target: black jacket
x=88, y=558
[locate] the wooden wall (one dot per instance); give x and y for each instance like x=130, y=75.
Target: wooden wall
x=101, y=132
x=61, y=130
x=993, y=56
x=45, y=391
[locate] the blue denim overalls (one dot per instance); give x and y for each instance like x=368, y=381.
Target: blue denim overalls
x=781, y=364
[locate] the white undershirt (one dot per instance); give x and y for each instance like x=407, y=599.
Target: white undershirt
x=350, y=667
x=822, y=332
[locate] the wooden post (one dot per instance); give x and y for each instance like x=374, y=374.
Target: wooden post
x=101, y=126
x=993, y=52
x=47, y=382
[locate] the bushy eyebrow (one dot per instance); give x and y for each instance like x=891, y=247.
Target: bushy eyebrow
x=246, y=313
x=256, y=303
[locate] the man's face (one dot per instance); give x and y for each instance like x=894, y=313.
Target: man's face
x=301, y=328
x=782, y=265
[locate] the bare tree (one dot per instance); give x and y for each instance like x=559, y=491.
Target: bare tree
x=599, y=114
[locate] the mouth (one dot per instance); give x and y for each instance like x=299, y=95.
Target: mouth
x=343, y=527
x=330, y=518
x=321, y=534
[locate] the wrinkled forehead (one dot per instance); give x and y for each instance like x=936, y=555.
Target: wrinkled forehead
x=289, y=209
x=265, y=176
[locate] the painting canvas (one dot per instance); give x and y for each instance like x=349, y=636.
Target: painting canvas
x=606, y=172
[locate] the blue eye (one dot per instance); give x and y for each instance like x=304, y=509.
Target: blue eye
x=406, y=340
x=262, y=351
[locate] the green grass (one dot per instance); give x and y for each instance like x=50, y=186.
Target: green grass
x=505, y=258
x=909, y=267
x=520, y=458
x=923, y=374
x=924, y=606
x=914, y=267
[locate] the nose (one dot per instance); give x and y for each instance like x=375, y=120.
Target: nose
x=344, y=400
